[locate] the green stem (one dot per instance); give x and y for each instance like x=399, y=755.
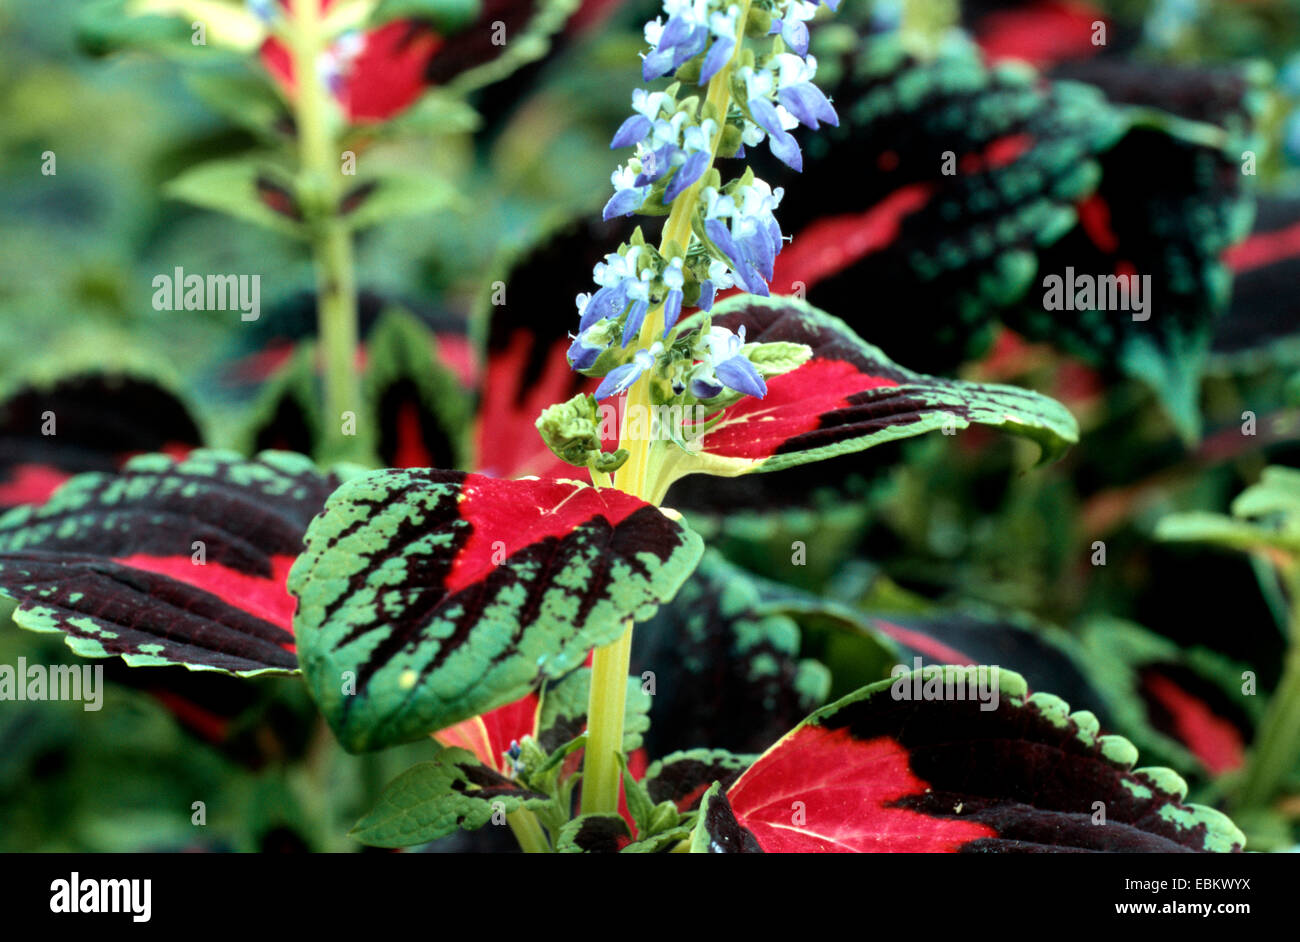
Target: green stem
x=601, y=770
x=1277, y=746
x=605, y=708
x=319, y=191
x=528, y=832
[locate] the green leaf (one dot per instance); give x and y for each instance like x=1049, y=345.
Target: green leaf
x=393, y=195
x=433, y=799
x=1264, y=516
x=447, y=16
x=241, y=96
x=164, y=28
x=234, y=187
x=564, y=711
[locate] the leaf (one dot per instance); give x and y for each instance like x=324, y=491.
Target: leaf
x=564, y=711
x=446, y=16
x=421, y=409
x=1264, y=516
x=100, y=420
x=1183, y=705
x=490, y=735
x=553, y=717
x=593, y=834
x=888, y=769
x=444, y=594
x=716, y=829
x=962, y=173
x=434, y=799
x=111, y=560
x=507, y=35
x=235, y=187
x=286, y=414
x=393, y=195
x=109, y=26
x=849, y=397
x=726, y=672
x=1047, y=657
x=1046, y=177
x=1262, y=316
x=225, y=24
x=243, y=97
x=684, y=777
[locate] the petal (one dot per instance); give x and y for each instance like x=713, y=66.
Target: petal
x=718, y=55
x=705, y=388
x=657, y=63
x=617, y=380
x=630, y=131
x=739, y=374
x=624, y=202
x=583, y=356
x=795, y=34
x=672, y=308
x=765, y=116
x=634, y=320
x=807, y=103
x=786, y=149
x=721, y=237
x=705, y=302
x=607, y=302
x=687, y=174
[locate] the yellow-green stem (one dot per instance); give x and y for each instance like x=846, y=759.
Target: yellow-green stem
x=319, y=190
x=1277, y=745
x=601, y=770
x=528, y=832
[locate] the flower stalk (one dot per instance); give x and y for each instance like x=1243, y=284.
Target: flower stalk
x=638, y=476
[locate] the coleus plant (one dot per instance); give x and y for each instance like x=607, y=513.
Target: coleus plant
x=468, y=606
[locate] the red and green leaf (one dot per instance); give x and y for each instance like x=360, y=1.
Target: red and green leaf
x=1184, y=706
x=415, y=408
x=878, y=772
x=99, y=422
x=849, y=397
x=168, y=562
x=1265, y=310
x=440, y=595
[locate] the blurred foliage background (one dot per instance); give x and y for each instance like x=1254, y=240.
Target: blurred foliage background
x=915, y=529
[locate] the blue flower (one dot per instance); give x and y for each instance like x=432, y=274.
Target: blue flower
x=783, y=145
x=753, y=239
x=616, y=276
x=673, y=281
x=621, y=378
x=683, y=37
x=628, y=194
x=582, y=354
x=799, y=96
x=722, y=26
x=723, y=365
x=638, y=292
